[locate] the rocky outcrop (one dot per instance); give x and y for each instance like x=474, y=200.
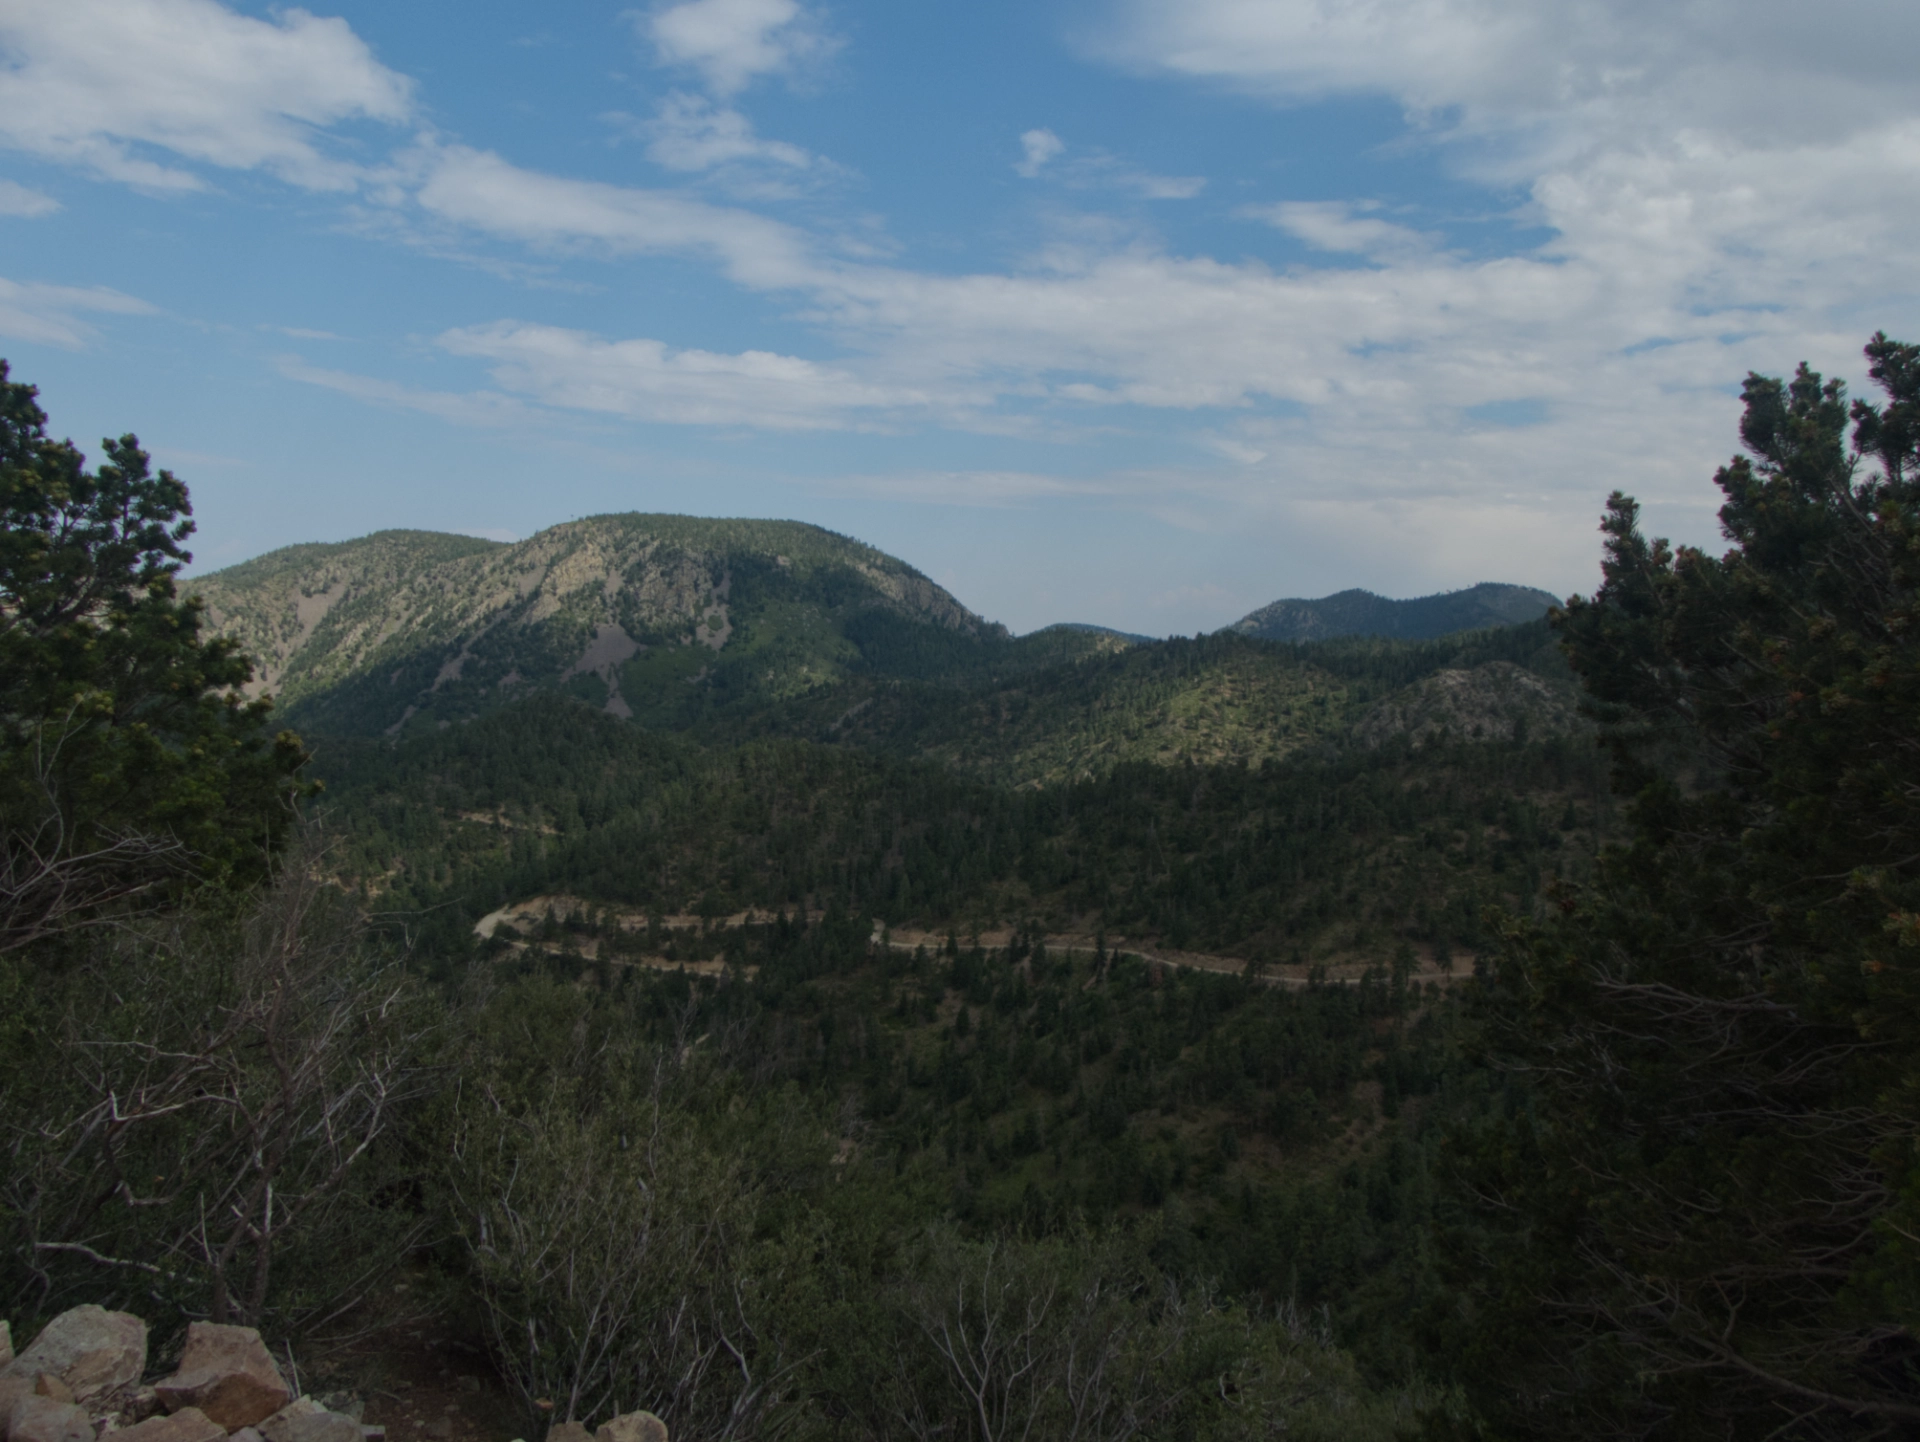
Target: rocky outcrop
x=80, y=1379
x=228, y=1374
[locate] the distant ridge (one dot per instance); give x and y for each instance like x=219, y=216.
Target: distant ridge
x=1132, y=638
x=1361, y=613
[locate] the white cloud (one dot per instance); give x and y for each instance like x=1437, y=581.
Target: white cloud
x=690, y=133
x=1769, y=70
x=647, y=380
x=733, y=42
x=50, y=314
x=1038, y=147
x=479, y=190
x=100, y=84
x=29, y=204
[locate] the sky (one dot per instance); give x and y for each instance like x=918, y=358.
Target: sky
x=1143, y=312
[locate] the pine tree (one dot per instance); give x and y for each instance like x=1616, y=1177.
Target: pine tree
x=1699, y=1214
x=130, y=760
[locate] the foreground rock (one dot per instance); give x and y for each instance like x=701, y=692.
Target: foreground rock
x=632, y=1427
x=228, y=1374
x=46, y=1419
x=305, y=1420
x=91, y=1350
x=189, y=1424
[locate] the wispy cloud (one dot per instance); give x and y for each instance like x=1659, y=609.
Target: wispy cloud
x=481, y=191
x=51, y=314
x=988, y=489
x=691, y=133
x=18, y=200
x=479, y=408
x=649, y=380
x=1343, y=227
x=1098, y=170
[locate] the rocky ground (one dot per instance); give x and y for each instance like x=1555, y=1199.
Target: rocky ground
x=87, y=1374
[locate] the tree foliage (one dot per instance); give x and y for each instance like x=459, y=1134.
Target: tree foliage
x=128, y=756
x=1701, y=1215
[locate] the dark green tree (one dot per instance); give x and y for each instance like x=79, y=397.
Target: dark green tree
x=1698, y=1212
x=130, y=760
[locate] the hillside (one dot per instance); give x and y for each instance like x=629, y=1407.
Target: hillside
x=644, y=615
x=1039, y=718
x=1361, y=613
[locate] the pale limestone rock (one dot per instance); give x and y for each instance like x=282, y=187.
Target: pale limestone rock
x=568, y=1432
x=245, y=1434
x=90, y=1349
x=189, y=1424
x=42, y=1419
x=632, y=1427
x=228, y=1374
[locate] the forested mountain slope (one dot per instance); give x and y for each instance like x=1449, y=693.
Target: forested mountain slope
x=1219, y=700
x=1330, y=857
x=630, y=612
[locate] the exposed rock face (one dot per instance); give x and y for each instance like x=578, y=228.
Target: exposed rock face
x=1487, y=703
x=42, y=1419
x=93, y=1351
x=189, y=1424
x=228, y=1374
x=632, y=1427
x=568, y=1432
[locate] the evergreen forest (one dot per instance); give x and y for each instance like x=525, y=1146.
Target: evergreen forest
x=743, y=984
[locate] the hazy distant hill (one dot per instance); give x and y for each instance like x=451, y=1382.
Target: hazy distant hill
x=1361, y=613
x=642, y=614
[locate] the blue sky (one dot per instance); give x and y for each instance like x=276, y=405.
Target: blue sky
x=1142, y=313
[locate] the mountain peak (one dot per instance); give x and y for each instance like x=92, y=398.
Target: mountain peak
x=625, y=610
